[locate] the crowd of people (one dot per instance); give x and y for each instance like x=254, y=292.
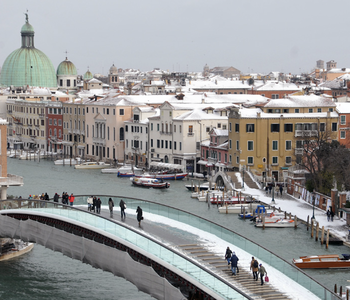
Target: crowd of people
x=256, y=268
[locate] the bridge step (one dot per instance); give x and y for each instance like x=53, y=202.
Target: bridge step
x=243, y=280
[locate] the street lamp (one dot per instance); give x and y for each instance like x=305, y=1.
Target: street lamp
x=273, y=190
x=313, y=206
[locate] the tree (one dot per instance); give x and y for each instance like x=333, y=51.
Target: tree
x=325, y=159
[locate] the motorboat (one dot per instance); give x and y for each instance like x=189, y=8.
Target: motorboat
x=92, y=165
x=164, y=176
x=330, y=261
x=248, y=215
x=123, y=171
x=279, y=223
x=238, y=208
x=149, y=182
x=68, y=161
x=32, y=155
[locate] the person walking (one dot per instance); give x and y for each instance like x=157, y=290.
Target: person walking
x=111, y=205
x=332, y=215
x=71, y=199
x=234, y=263
x=262, y=272
x=98, y=206
x=281, y=189
x=122, y=208
x=254, y=267
x=328, y=215
x=90, y=202
x=55, y=199
x=228, y=255
x=139, y=215
x=94, y=203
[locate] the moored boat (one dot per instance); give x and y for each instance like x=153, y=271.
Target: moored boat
x=149, y=182
x=238, y=208
x=279, y=223
x=68, y=161
x=14, y=249
x=330, y=261
x=92, y=165
x=164, y=176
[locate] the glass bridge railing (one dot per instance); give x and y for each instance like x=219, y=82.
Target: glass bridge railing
x=225, y=234
x=167, y=255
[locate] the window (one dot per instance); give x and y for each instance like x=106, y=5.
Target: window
x=174, y=128
x=68, y=82
x=121, y=134
x=250, y=145
x=121, y=112
x=296, y=110
x=180, y=128
x=288, y=145
x=275, y=160
x=250, y=160
x=311, y=110
x=126, y=128
x=158, y=143
x=151, y=126
x=237, y=145
x=334, y=126
x=162, y=144
x=322, y=126
x=288, y=160
x=270, y=111
x=286, y=111
x=236, y=127
x=342, y=134
x=237, y=159
x=230, y=127
x=174, y=145
x=113, y=111
x=59, y=122
x=157, y=127
x=274, y=96
x=331, y=109
x=342, y=120
x=180, y=146
x=319, y=110
x=50, y=121
x=190, y=129
x=151, y=143
x=275, y=127
x=288, y=127
x=274, y=145
x=250, y=127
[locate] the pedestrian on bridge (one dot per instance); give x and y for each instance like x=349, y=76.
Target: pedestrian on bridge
x=228, y=255
x=262, y=272
x=111, y=205
x=71, y=199
x=122, y=208
x=234, y=263
x=90, y=202
x=98, y=205
x=139, y=215
x=254, y=266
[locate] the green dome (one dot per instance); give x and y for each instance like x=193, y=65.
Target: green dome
x=28, y=65
x=27, y=28
x=66, y=67
x=88, y=75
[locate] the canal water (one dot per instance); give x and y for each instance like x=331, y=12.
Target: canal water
x=44, y=274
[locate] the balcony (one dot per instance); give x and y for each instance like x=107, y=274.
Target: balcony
x=11, y=180
x=41, y=116
x=190, y=134
x=299, y=151
x=305, y=133
x=99, y=141
x=165, y=132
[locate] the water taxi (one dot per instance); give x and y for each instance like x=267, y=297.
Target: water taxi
x=331, y=261
x=150, y=183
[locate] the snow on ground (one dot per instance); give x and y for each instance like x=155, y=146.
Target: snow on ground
x=214, y=244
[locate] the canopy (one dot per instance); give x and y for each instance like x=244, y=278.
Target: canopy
x=161, y=165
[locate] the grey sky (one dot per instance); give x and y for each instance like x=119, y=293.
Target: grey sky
x=255, y=36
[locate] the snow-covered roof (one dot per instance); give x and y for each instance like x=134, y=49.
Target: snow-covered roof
x=343, y=108
x=301, y=101
x=198, y=114
x=278, y=86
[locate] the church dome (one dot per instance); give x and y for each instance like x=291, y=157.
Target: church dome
x=113, y=70
x=66, y=67
x=88, y=75
x=28, y=65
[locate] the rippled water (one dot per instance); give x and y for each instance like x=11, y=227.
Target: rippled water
x=44, y=274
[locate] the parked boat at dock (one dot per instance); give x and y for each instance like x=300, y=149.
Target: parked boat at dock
x=164, y=176
x=238, y=208
x=279, y=223
x=68, y=161
x=92, y=165
x=331, y=261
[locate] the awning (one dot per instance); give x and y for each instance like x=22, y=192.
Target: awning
x=202, y=162
x=166, y=165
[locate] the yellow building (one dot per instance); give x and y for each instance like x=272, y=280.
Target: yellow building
x=270, y=140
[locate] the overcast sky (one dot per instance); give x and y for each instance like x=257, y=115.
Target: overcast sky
x=184, y=35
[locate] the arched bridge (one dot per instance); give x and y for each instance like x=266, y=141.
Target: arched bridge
x=125, y=250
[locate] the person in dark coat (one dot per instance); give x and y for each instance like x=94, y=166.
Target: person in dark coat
x=228, y=255
x=122, y=208
x=98, y=206
x=234, y=263
x=254, y=266
x=139, y=215
x=46, y=197
x=55, y=198
x=94, y=203
x=281, y=189
x=110, y=205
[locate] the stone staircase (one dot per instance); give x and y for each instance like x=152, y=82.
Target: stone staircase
x=247, y=180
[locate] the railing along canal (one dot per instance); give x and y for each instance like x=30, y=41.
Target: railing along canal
x=227, y=235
